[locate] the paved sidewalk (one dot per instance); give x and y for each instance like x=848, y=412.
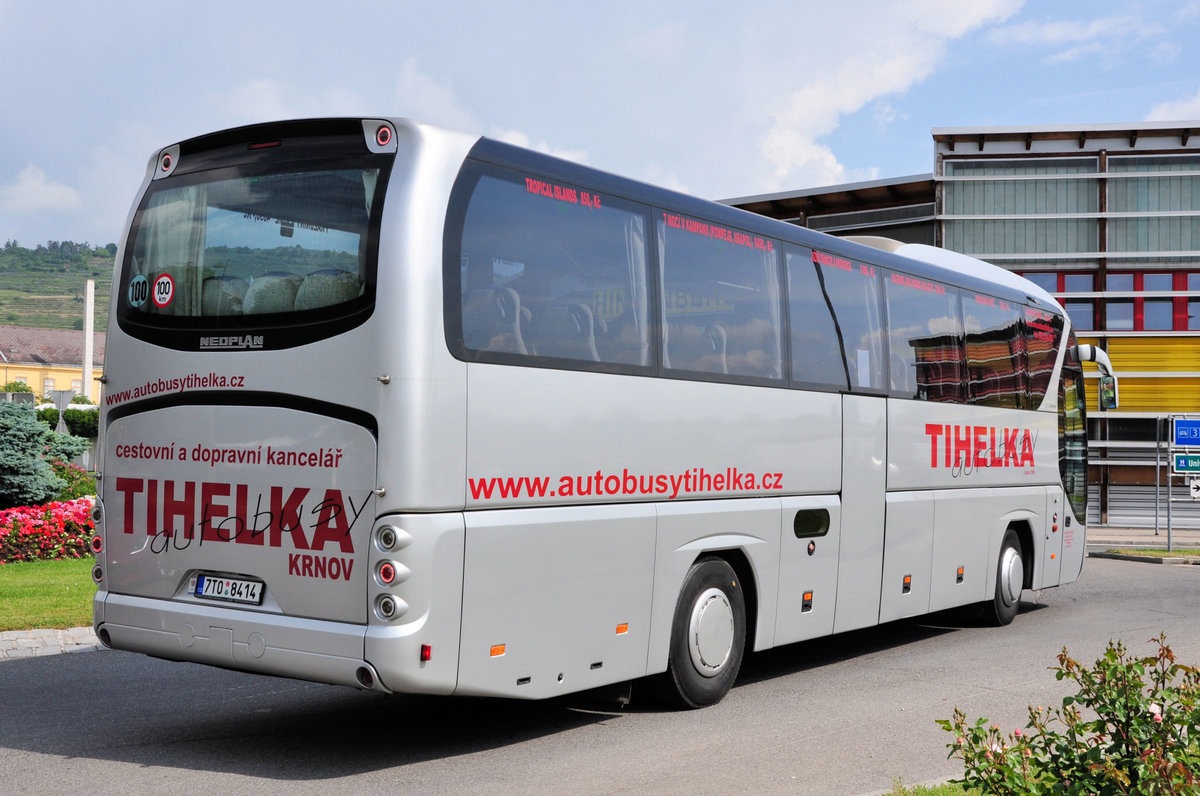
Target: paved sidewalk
x=1180, y=538
x=34, y=643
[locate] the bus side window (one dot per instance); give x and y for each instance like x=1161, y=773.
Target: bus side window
x=553, y=274
x=816, y=353
x=925, y=339
x=854, y=292
x=1043, y=333
x=721, y=301
x=997, y=374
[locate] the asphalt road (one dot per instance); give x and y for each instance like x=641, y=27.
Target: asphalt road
x=848, y=714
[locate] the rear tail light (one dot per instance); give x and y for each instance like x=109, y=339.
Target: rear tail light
x=383, y=136
x=386, y=572
x=97, y=545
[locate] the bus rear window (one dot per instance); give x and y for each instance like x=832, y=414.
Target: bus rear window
x=210, y=248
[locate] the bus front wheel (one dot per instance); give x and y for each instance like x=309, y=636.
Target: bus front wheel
x=708, y=637
x=1010, y=578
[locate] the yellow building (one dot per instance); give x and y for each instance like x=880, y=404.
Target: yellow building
x=49, y=359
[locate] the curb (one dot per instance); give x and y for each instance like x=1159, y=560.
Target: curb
x=15, y=644
x=1149, y=558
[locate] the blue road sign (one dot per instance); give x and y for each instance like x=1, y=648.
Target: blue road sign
x=1187, y=432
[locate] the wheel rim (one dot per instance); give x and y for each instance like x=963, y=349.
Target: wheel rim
x=1012, y=574
x=710, y=632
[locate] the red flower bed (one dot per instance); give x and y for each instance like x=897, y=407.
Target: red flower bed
x=55, y=530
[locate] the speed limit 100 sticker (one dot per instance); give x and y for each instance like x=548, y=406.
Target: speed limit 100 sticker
x=139, y=291
x=164, y=290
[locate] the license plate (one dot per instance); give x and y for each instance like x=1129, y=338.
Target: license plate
x=211, y=587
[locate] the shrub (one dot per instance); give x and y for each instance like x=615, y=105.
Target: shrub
x=56, y=530
x=78, y=482
x=26, y=449
x=83, y=423
x=1138, y=732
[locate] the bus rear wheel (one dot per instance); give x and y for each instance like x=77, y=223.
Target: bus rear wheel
x=1010, y=578
x=708, y=637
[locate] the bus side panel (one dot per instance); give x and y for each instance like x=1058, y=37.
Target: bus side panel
x=906, y=562
x=555, y=600
x=537, y=436
x=956, y=446
x=807, y=570
x=864, y=451
x=961, y=540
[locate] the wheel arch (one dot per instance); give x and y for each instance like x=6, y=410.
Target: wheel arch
x=1024, y=532
x=739, y=551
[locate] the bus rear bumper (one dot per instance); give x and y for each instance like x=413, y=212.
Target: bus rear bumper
x=306, y=649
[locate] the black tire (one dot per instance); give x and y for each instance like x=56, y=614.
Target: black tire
x=708, y=637
x=1010, y=577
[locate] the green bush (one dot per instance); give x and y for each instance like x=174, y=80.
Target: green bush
x=78, y=483
x=82, y=422
x=1138, y=733
x=26, y=449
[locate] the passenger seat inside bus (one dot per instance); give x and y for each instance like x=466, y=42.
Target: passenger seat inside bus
x=691, y=346
x=568, y=331
x=271, y=292
x=491, y=321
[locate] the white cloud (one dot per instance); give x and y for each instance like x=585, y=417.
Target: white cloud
x=260, y=100
x=517, y=138
x=663, y=45
x=896, y=48
x=266, y=100
x=1184, y=109
x=34, y=191
x=424, y=98
x=884, y=114
x=1074, y=40
x=657, y=174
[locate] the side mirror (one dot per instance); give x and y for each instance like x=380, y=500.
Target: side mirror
x=1107, y=392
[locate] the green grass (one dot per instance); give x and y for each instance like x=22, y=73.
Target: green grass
x=1157, y=553
x=46, y=594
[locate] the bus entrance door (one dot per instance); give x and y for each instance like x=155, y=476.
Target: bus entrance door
x=860, y=565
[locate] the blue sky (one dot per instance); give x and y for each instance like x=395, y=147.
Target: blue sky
x=719, y=99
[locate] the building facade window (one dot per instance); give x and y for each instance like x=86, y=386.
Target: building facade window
x=1046, y=280
x=979, y=193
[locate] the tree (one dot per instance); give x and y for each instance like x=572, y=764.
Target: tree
x=26, y=449
x=16, y=386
